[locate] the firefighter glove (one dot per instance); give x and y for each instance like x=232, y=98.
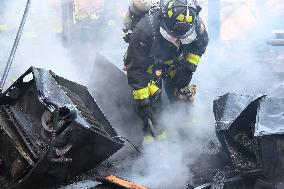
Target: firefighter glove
x=144, y=109
x=186, y=94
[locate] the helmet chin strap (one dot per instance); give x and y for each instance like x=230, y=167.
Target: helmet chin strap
x=175, y=41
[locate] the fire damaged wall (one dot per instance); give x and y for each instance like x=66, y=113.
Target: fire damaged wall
x=51, y=129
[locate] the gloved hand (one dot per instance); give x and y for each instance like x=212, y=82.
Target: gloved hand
x=145, y=99
x=186, y=94
x=127, y=37
x=182, y=77
x=145, y=111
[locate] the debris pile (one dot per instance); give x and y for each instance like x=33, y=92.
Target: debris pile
x=251, y=133
x=51, y=128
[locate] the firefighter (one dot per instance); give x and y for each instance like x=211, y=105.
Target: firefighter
x=166, y=44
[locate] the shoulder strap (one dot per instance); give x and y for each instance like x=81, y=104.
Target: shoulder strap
x=154, y=25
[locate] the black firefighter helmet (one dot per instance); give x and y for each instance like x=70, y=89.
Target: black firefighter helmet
x=178, y=17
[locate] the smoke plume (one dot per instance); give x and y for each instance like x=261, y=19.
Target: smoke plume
x=242, y=63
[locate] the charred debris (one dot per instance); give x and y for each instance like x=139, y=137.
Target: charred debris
x=52, y=129
x=250, y=130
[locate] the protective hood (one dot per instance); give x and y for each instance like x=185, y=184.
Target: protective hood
x=176, y=41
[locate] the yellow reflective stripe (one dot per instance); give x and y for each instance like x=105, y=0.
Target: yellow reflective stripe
x=170, y=4
x=30, y=34
x=168, y=62
x=189, y=19
x=170, y=13
x=3, y=27
x=193, y=58
x=148, y=139
x=152, y=88
x=141, y=94
x=162, y=136
x=173, y=73
x=150, y=69
x=144, y=93
x=180, y=17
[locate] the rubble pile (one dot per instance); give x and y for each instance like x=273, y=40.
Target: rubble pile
x=51, y=129
x=251, y=132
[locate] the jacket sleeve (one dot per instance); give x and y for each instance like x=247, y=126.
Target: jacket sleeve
x=192, y=55
x=137, y=59
x=197, y=48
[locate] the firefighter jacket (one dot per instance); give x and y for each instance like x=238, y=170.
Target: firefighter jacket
x=148, y=45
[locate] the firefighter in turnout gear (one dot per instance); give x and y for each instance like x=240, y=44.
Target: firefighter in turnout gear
x=165, y=45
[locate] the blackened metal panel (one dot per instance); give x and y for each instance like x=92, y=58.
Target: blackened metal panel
x=228, y=107
x=84, y=157
x=26, y=116
x=270, y=117
x=87, y=101
x=89, y=145
x=235, y=119
x=50, y=94
x=48, y=89
x=269, y=134
x=108, y=84
x=271, y=156
x=14, y=156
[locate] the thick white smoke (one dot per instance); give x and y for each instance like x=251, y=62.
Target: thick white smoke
x=243, y=65
x=40, y=44
x=233, y=66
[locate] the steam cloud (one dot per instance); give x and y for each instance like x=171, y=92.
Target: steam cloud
x=40, y=45
x=241, y=67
